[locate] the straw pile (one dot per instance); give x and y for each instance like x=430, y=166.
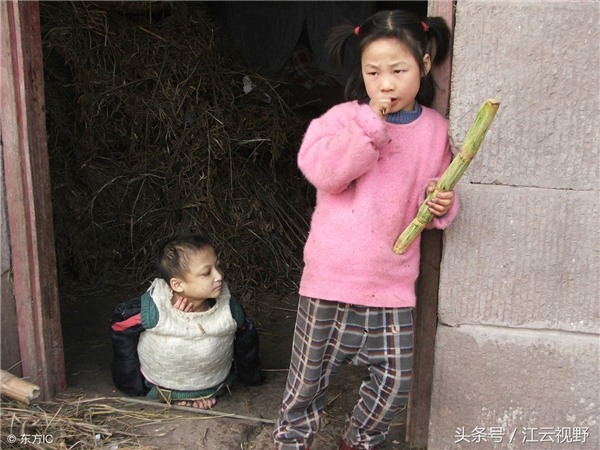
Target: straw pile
x=74, y=422
x=151, y=134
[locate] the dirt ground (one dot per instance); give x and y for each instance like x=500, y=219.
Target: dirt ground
x=88, y=353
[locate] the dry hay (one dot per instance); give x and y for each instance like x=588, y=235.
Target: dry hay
x=74, y=422
x=150, y=134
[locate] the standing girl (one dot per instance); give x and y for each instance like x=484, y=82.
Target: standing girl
x=372, y=161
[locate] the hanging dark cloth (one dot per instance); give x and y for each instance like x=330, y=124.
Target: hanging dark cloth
x=267, y=32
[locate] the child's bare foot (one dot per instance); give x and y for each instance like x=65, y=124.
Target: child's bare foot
x=200, y=404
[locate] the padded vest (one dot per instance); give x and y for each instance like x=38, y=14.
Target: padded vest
x=187, y=351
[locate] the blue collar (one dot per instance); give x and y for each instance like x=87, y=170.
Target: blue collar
x=404, y=117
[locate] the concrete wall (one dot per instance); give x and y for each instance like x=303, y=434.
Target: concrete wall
x=518, y=345
x=10, y=354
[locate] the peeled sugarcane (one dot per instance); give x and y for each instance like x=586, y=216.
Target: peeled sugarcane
x=17, y=388
x=455, y=170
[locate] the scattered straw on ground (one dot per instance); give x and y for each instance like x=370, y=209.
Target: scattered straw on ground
x=150, y=134
x=74, y=422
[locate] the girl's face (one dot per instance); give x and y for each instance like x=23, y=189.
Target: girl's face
x=391, y=72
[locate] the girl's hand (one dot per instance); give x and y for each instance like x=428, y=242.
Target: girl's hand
x=381, y=106
x=441, y=203
x=183, y=304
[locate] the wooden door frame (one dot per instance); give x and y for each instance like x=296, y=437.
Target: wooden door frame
x=425, y=315
x=28, y=196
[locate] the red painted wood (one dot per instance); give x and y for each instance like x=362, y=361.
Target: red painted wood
x=28, y=196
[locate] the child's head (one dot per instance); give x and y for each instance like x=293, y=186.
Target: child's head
x=417, y=38
x=189, y=264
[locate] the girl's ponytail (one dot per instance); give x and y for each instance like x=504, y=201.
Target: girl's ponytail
x=336, y=42
x=336, y=46
x=438, y=39
x=437, y=45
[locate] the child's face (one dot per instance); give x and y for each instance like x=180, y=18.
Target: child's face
x=204, y=278
x=391, y=72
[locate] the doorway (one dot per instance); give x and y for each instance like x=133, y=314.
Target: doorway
x=71, y=105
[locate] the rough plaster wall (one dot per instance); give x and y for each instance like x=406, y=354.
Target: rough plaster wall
x=521, y=381
x=518, y=344
x=522, y=265
x=541, y=61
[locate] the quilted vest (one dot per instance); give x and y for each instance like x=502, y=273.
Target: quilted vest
x=187, y=351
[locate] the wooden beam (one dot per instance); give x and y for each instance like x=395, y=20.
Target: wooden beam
x=28, y=196
x=425, y=316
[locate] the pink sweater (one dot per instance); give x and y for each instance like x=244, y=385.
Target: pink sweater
x=371, y=177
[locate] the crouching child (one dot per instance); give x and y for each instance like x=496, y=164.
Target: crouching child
x=187, y=338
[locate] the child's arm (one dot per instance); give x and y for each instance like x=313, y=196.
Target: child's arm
x=341, y=146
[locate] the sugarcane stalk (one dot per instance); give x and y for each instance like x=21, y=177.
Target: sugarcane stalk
x=17, y=388
x=452, y=175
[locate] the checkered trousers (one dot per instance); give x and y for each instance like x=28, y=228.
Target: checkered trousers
x=328, y=334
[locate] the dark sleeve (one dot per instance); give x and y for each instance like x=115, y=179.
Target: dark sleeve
x=237, y=312
x=246, y=348
x=125, y=329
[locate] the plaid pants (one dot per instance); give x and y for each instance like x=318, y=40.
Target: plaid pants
x=328, y=334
